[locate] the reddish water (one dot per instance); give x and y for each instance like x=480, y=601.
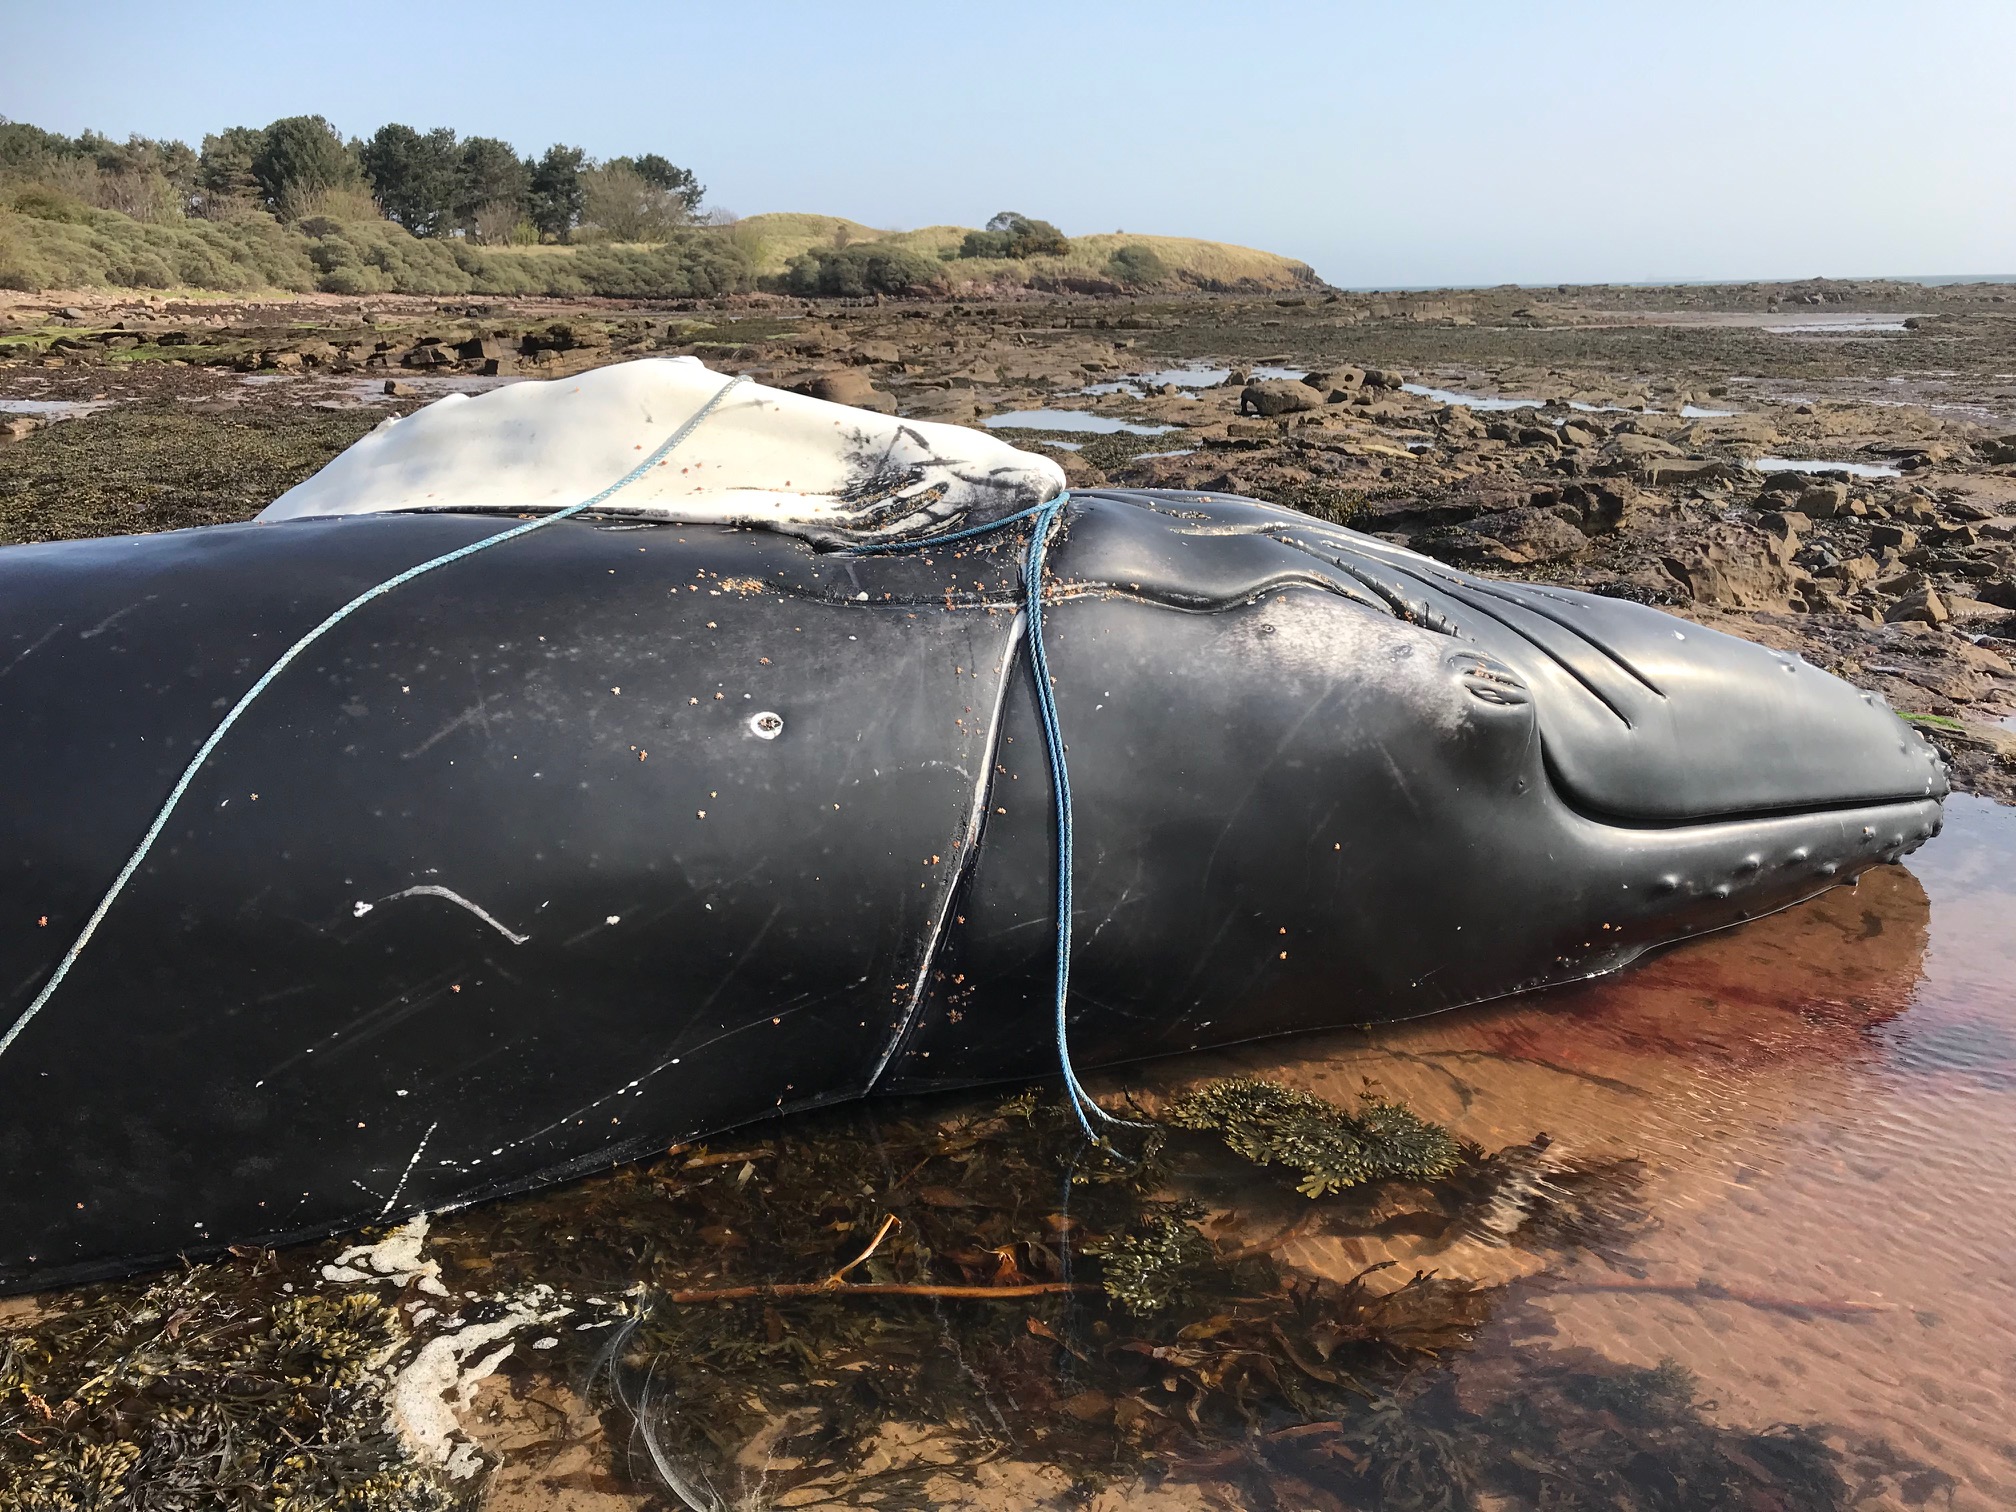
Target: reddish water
x=1826, y=1103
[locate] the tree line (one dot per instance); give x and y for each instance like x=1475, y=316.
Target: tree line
x=433, y=183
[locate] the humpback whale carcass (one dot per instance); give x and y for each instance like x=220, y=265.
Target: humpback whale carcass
x=717, y=784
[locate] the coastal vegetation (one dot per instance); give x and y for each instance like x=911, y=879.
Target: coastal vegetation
x=294, y=206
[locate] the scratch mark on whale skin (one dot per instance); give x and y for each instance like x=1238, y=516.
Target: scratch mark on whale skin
x=435, y=890
x=113, y=618
x=477, y=713
x=47, y=636
x=407, y=1174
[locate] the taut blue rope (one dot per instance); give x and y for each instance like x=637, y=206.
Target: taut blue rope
x=1046, y=516
x=287, y=657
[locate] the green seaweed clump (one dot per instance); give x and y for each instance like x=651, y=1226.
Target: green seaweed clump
x=163, y=466
x=1334, y=1148
x=198, y=1392
x=1150, y=1268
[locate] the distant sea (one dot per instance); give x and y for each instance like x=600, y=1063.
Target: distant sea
x=1687, y=283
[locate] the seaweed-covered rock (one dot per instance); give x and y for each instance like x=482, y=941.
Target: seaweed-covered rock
x=199, y=1387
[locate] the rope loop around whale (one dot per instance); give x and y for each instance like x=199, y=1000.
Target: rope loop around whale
x=1046, y=517
x=287, y=657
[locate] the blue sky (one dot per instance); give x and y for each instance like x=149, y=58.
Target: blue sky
x=1389, y=144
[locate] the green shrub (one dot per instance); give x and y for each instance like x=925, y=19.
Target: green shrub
x=1137, y=265
x=101, y=247
x=51, y=241
x=377, y=257
x=19, y=267
x=697, y=265
x=984, y=244
x=862, y=269
x=1013, y=234
x=46, y=202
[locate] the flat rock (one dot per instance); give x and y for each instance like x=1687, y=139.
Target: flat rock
x=1686, y=470
x=1631, y=444
x=848, y=387
x=1517, y=537
x=1735, y=567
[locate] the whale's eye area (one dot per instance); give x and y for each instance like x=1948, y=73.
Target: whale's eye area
x=766, y=725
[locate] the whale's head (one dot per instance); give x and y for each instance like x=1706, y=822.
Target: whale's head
x=1325, y=779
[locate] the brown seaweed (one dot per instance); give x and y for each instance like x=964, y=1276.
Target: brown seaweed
x=882, y=1296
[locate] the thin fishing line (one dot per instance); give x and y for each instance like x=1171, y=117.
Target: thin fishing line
x=287, y=657
x=1046, y=516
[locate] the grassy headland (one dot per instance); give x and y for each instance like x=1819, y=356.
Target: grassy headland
x=51, y=241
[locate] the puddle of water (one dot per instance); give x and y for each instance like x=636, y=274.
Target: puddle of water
x=1468, y=401
x=1187, y=378
x=1182, y=377
x=434, y=384
x=1825, y=1102
x=1071, y=420
x=1186, y=451
x=1851, y=469
x=1063, y=445
x=1839, y=325
x=1499, y=402
x=54, y=409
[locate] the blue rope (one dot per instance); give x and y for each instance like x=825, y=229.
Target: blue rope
x=1046, y=516
x=287, y=657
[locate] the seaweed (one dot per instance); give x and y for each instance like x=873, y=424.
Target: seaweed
x=972, y=1271
x=850, y=1302
x=1148, y=1268
x=203, y=1389
x=164, y=465
x=1334, y=1148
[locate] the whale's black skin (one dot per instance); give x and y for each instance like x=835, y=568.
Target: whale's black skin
x=502, y=881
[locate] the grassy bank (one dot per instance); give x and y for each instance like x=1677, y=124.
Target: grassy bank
x=48, y=241
x=773, y=241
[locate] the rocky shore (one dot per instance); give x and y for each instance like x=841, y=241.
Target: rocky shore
x=1827, y=467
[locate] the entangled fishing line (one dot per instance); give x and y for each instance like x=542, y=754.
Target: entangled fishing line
x=251, y=694
x=1046, y=517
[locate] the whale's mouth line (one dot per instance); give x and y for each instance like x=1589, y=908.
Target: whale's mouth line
x=1610, y=819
